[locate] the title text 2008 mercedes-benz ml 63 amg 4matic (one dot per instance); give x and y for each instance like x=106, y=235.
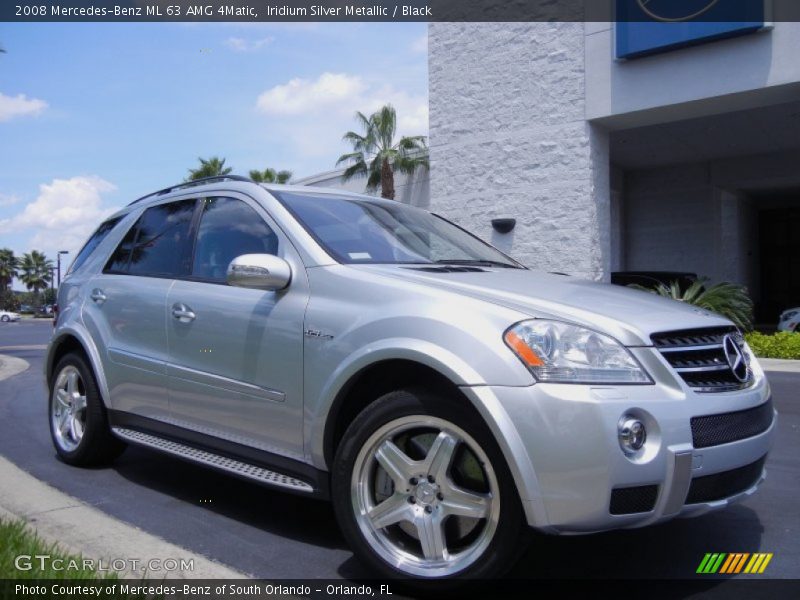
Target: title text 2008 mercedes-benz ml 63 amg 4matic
x=438, y=392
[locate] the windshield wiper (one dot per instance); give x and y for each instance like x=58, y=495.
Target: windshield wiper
x=475, y=262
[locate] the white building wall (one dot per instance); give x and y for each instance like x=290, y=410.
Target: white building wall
x=672, y=221
x=725, y=75
x=691, y=218
x=509, y=138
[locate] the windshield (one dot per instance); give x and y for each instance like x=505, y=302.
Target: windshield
x=386, y=231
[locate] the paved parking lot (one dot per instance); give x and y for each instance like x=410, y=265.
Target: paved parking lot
x=273, y=535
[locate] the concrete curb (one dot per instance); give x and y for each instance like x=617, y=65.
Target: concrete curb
x=85, y=530
x=779, y=365
x=11, y=365
x=81, y=529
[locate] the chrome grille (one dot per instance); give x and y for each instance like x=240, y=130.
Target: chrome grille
x=699, y=357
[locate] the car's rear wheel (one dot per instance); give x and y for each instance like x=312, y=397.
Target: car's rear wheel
x=5, y=318
x=421, y=490
x=78, y=421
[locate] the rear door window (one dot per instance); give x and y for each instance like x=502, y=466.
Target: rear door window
x=159, y=245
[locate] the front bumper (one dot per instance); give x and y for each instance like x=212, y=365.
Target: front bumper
x=562, y=446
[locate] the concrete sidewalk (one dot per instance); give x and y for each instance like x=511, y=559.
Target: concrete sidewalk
x=780, y=365
x=82, y=529
x=85, y=530
x=10, y=366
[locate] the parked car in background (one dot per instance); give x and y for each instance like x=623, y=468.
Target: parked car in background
x=651, y=279
x=790, y=320
x=7, y=316
x=26, y=309
x=361, y=350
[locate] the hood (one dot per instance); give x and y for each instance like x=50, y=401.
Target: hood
x=629, y=315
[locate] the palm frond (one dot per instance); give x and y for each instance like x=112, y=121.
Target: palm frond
x=357, y=156
x=357, y=169
x=374, y=180
x=414, y=142
x=727, y=299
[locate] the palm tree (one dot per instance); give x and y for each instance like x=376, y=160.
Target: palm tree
x=213, y=167
x=36, y=271
x=8, y=267
x=269, y=175
x=375, y=154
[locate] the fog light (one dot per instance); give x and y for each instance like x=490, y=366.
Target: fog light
x=632, y=435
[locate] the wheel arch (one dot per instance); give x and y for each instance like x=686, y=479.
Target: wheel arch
x=350, y=398
x=370, y=383
x=73, y=340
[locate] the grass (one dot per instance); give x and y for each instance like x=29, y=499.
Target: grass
x=16, y=539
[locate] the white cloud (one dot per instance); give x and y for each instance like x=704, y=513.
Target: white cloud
x=311, y=115
x=8, y=199
x=19, y=106
x=303, y=95
x=420, y=45
x=238, y=44
x=63, y=215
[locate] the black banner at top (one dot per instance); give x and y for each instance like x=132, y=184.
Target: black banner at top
x=671, y=11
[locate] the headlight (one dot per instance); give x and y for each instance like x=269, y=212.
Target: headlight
x=563, y=353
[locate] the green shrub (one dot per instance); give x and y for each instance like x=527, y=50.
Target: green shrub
x=727, y=299
x=784, y=344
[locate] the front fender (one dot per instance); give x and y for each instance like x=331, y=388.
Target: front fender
x=426, y=353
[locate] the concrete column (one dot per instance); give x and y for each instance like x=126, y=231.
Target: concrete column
x=509, y=138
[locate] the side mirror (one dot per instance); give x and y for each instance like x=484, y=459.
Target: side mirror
x=259, y=272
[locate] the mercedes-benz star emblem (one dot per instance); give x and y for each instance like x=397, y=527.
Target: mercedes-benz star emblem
x=670, y=11
x=735, y=358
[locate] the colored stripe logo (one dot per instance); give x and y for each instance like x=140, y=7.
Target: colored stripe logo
x=733, y=563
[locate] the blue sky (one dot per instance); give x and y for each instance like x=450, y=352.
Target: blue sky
x=93, y=116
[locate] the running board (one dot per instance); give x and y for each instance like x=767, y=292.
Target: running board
x=216, y=461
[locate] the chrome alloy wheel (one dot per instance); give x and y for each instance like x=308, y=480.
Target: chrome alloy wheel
x=68, y=408
x=425, y=496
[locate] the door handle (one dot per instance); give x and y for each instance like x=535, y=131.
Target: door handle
x=98, y=296
x=183, y=313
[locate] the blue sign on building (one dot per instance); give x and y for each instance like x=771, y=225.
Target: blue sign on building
x=650, y=26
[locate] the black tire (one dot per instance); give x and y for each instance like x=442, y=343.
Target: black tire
x=511, y=534
x=5, y=318
x=97, y=446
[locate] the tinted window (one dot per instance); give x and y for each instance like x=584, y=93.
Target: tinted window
x=94, y=241
x=118, y=263
x=159, y=242
x=229, y=228
x=385, y=231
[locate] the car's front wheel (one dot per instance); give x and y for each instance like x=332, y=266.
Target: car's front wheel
x=5, y=318
x=421, y=490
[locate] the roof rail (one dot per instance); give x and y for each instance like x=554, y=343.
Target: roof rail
x=192, y=183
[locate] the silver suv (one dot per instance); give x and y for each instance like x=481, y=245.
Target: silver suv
x=442, y=395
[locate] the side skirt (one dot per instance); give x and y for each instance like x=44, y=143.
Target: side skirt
x=249, y=463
